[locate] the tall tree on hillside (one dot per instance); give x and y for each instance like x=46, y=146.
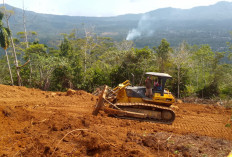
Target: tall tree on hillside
x=203, y=58
x=26, y=40
x=24, y=26
x=90, y=44
x=4, y=41
x=162, y=53
x=180, y=59
x=7, y=16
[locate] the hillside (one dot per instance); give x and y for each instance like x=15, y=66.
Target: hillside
x=199, y=25
x=40, y=123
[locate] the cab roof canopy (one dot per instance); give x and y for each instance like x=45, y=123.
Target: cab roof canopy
x=158, y=74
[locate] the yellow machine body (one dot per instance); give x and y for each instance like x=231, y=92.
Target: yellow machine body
x=166, y=100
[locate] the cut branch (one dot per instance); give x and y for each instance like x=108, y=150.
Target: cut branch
x=23, y=64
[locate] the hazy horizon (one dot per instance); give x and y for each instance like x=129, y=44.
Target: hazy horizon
x=103, y=8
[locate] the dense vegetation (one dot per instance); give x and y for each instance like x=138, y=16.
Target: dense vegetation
x=91, y=61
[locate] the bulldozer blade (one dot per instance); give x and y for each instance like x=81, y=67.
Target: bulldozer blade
x=100, y=101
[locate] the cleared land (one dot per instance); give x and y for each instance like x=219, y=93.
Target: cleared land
x=39, y=123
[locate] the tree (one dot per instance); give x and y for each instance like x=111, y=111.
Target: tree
x=4, y=41
x=145, y=61
x=114, y=54
x=66, y=48
x=90, y=44
x=226, y=80
x=162, y=53
x=203, y=59
x=69, y=75
x=27, y=38
x=133, y=65
x=180, y=58
x=43, y=64
x=24, y=26
x=7, y=16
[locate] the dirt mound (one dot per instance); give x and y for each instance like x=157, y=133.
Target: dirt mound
x=39, y=123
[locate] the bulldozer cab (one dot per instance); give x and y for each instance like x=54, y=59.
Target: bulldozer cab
x=161, y=80
x=139, y=91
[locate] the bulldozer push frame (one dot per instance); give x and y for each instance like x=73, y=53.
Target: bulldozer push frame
x=130, y=102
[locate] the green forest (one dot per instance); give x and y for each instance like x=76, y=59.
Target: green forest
x=91, y=61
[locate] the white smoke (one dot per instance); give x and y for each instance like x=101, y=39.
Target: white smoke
x=133, y=34
x=143, y=28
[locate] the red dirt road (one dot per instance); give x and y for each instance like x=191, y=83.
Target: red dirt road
x=39, y=123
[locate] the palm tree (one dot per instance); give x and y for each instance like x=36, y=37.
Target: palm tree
x=4, y=42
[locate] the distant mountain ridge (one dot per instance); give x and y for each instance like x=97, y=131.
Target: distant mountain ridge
x=200, y=25
x=219, y=10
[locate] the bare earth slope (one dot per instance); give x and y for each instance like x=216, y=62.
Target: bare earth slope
x=39, y=123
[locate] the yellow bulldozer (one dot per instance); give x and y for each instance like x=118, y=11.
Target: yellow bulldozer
x=130, y=102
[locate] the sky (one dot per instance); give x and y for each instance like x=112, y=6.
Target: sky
x=100, y=8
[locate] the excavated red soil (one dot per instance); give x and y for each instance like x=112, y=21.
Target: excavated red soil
x=39, y=123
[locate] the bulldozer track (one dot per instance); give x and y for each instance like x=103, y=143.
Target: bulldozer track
x=143, y=104
x=156, y=107
x=145, y=120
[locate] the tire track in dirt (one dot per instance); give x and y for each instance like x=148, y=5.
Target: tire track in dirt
x=193, y=122
x=204, y=124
